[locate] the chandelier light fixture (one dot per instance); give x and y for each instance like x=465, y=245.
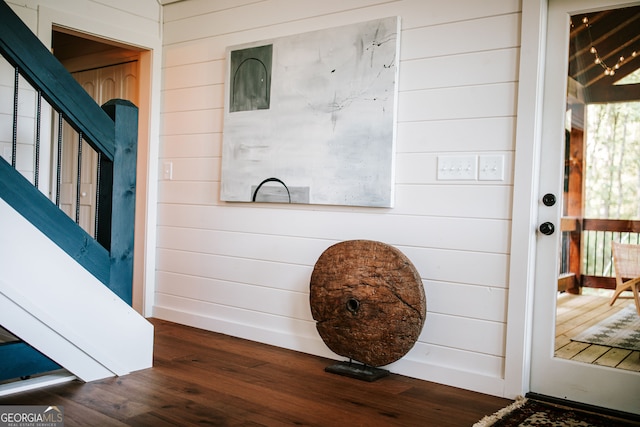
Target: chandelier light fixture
x=608, y=71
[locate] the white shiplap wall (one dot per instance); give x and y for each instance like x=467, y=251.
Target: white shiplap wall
x=244, y=269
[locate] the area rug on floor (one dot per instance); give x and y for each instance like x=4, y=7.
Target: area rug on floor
x=621, y=330
x=532, y=413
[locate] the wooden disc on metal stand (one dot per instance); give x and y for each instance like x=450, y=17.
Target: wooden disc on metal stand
x=369, y=303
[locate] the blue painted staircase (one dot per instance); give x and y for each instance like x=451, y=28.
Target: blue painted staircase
x=73, y=313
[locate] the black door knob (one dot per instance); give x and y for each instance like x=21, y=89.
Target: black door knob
x=547, y=228
x=549, y=199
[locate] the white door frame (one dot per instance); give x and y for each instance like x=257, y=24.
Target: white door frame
x=525, y=207
x=150, y=63
x=525, y=215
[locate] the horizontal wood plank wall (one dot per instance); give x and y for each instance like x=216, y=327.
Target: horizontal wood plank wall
x=244, y=269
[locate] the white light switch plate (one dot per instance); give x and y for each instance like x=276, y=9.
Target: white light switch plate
x=167, y=170
x=491, y=167
x=457, y=168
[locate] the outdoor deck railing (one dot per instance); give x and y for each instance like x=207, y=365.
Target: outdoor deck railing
x=586, y=250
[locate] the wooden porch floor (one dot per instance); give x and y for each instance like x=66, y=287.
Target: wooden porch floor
x=575, y=313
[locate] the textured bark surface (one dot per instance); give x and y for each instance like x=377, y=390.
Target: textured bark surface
x=368, y=301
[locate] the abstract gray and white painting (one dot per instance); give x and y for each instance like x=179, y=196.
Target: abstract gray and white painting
x=327, y=133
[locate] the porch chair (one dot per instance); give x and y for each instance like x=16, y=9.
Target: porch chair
x=626, y=261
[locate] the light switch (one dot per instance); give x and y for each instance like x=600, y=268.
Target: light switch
x=457, y=168
x=491, y=167
x=167, y=170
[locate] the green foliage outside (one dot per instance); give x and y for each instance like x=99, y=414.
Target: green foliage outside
x=612, y=185
x=612, y=177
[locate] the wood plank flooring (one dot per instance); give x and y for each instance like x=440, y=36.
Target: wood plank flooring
x=203, y=378
x=575, y=313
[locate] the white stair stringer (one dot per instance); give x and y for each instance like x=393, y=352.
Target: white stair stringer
x=52, y=303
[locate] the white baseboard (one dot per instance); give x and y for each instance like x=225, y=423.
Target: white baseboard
x=407, y=366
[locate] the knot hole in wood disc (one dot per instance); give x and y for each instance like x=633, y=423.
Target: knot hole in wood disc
x=353, y=305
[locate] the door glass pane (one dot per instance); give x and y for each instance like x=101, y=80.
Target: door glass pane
x=601, y=200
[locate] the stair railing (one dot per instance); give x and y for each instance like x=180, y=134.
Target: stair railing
x=111, y=131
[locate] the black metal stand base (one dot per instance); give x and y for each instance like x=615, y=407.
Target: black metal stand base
x=357, y=371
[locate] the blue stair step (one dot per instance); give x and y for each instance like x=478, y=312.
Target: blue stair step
x=20, y=360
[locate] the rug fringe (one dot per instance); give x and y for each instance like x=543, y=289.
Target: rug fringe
x=491, y=419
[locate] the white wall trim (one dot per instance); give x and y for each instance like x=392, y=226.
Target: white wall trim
x=47, y=17
x=525, y=203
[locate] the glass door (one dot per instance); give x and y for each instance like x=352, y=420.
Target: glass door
x=551, y=375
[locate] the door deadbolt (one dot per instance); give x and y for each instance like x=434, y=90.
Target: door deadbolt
x=549, y=199
x=547, y=228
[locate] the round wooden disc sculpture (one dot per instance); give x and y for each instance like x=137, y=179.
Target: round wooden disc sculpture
x=368, y=301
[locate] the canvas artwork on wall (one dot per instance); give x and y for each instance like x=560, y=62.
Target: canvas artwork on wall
x=310, y=118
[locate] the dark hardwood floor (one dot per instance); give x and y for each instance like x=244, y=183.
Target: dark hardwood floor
x=204, y=378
